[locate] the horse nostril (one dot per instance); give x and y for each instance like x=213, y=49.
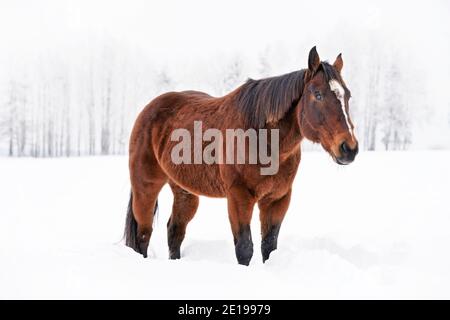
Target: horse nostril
x=345, y=149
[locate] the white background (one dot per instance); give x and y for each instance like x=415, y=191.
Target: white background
x=74, y=75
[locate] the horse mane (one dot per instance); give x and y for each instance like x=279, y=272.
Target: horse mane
x=269, y=99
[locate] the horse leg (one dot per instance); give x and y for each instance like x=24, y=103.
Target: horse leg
x=240, y=209
x=144, y=202
x=272, y=212
x=147, y=180
x=185, y=205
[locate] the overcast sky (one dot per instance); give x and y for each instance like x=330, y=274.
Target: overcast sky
x=172, y=28
x=175, y=33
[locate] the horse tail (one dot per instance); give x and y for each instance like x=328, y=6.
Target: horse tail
x=131, y=226
x=130, y=233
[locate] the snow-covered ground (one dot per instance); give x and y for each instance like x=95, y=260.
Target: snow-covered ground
x=379, y=228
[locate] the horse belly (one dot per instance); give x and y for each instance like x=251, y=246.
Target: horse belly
x=199, y=179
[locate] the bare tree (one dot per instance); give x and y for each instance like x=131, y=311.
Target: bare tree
x=371, y=114
x=264, y=67
x=396, y=119
x=91, y=112
x=233, y=75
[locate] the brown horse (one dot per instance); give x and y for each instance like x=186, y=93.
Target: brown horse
x=311, y=103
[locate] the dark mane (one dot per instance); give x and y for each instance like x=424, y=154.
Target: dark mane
x=268, y=100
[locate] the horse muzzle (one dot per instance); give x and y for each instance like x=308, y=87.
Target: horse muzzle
x=347, y=154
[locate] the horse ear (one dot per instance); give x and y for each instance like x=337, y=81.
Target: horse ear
x=339, y=63
x=313, y=60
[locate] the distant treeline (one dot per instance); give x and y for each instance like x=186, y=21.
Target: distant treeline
x=55, y=106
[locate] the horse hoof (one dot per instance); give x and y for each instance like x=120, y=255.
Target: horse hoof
x=174, y=255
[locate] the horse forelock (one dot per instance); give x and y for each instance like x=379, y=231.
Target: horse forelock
x=332, y=74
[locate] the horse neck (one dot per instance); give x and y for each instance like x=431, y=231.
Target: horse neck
x=290, y=131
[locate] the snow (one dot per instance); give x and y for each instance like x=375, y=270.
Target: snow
x=378, y=228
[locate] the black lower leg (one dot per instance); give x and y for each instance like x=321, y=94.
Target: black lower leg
x=143, y=239
x=269, y=241
x=244, y=246
x=175, y=235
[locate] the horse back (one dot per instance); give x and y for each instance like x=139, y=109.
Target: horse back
x=152, y=134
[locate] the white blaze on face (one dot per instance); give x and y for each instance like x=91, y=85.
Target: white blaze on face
x=339, y=91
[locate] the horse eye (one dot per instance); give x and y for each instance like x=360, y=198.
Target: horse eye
x=318, y=95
